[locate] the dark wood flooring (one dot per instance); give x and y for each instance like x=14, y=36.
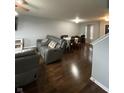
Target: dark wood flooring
x=69, y=75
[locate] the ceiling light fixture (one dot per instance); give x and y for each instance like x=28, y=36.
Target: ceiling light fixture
x=107, y=18
x=77, y=20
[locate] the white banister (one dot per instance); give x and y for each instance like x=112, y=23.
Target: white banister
x=100, y=62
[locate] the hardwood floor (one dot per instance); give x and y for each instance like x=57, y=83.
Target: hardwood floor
x=69, y=75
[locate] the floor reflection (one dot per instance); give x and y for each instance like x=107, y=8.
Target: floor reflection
x=75, y=71
x=70, y=75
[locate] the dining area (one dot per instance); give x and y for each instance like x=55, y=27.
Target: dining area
x=73, y=42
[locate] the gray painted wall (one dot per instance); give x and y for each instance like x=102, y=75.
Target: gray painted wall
x=31, y=28
x=100, y=61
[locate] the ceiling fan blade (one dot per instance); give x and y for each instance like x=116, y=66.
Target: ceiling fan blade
x=21, y=6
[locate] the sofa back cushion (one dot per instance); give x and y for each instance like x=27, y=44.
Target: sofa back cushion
x=53, y=38
x=26, y=52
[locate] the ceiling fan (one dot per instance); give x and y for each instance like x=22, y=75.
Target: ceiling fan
x=21, y=4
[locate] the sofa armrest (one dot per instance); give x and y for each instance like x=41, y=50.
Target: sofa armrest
x=52, y=54
x=41, y=42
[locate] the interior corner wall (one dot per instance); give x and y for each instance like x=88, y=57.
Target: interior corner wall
x=32, y=28
x=99, y=28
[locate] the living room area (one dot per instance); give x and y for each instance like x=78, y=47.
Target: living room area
x=54, y=44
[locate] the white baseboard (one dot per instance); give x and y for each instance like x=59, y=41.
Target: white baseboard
x=99, y=84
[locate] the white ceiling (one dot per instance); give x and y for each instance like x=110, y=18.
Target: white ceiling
x=67, y=9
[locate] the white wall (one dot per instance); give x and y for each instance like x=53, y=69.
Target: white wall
x=100, y=61
x=31, y=28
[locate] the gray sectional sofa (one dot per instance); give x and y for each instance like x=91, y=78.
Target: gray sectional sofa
x=26, y=67
x=51, y=48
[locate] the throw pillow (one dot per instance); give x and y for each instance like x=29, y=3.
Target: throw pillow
x=58, y=46
x=52, y=44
